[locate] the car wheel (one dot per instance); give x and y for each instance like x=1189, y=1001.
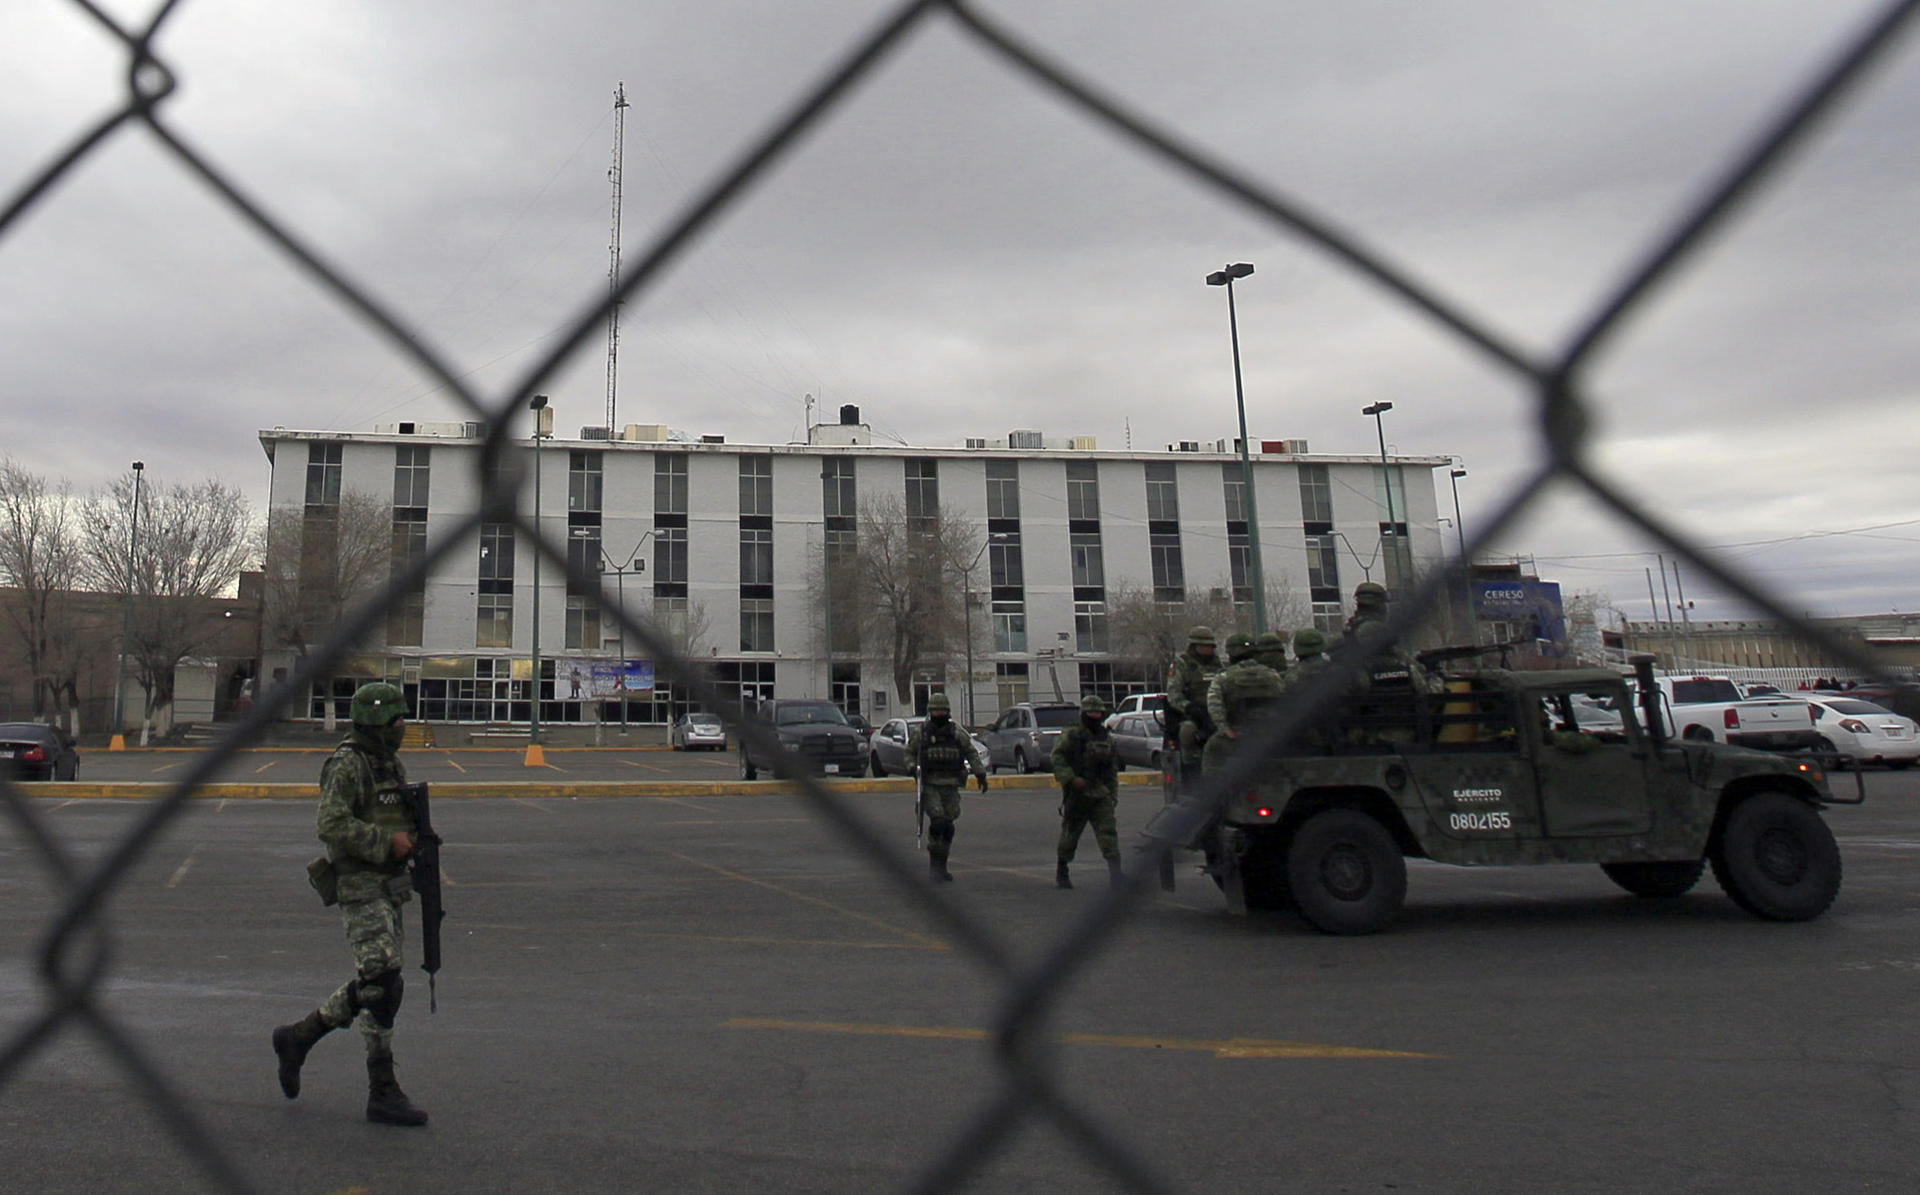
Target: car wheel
x=1346, y=872
x=1776, y=858
x=1020, y=761
x=1657, y=879
x=1843, y=760
x=1697, y=734
x=747, y=770
x=874, y=766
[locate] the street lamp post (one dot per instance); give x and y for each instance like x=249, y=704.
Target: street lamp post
x=1225, y=277
x=1386, y=479
x=119, y=741
x=1455, y=477
x=636, y=566
x=966, y=615
x=542, y=425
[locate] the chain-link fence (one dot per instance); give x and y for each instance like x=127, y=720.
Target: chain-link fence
x=73, y=957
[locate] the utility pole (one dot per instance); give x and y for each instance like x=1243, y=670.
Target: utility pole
x=119, y=740
x=613, y=268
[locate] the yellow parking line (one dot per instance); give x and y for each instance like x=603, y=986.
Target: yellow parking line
x=1229, y=1048
x=456, y=767
x=265, y=766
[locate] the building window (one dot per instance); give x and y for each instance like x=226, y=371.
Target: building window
x=410, y=475
x=756, y=485
x=669, y=485
x=1004, y=569
x=923, y=493
x=1323, y=568
x=1090, y=627
x=583, y=481
x=583, y=622
x=583, y=559
x=756, y=556
x=1240, y=565
x=1003, y=489
x=494, y=621
x=1316, y=495
x=1012, y=682
x=407, y=619
x=1083, y=490
x=1111, y=682
x=756, y=624
x=323, y=476
x=1163, y=492
x=1010, y=627
x=669, y=560
x=1328, y=617
x=1169, y=580
x=1089, y=569
x=495, y=611
x=838, y=498
x=843, y=689
x=752, y=679
x=1233, y=480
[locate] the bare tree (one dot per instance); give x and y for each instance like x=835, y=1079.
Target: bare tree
x=1148, y=633
x=902, y=587
x=41, y=562
x=193, y=543
x=319, y=565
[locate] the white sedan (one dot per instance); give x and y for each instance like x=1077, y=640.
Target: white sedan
x=698, y=732
x=1865, y=732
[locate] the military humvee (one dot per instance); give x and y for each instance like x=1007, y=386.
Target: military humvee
x=1497, y=770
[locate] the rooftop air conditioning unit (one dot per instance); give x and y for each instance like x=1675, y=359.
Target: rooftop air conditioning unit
x=713, y=439
x=649, y=432
x=1083, y=444
x=1188, y=446
x=1026, y=439
x=976, y=442
x=594, y=433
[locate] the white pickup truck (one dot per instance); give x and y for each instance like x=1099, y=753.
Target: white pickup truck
x=1710, y=708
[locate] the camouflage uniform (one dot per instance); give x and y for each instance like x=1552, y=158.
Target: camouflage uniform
x=944, y=753
x=1089, y=776
x=1309, y=660
x=1234, y=694
x=360, y=812
x=1270, y=649
x=1187, y=680
x=1389, y=667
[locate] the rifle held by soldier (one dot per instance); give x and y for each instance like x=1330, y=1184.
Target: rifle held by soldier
x=424, y=863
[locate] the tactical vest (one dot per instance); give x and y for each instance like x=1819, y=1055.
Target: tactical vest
x=1245, y=689
x=387, y=811
x=1090, y=753
x=943, y=757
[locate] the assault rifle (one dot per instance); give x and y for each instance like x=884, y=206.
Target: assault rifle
x=1445, y=655
x=919, y=809
x=424, y=863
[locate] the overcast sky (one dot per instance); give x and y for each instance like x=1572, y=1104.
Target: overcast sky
x=960, y=255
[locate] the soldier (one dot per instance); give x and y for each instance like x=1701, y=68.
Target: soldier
x=369, y=832
x=1309, y=654
x=1187, y=679
x=1388, y=669
x=1270, y=649
x=1236, y=693
x=943, y=752
x=1089, y=776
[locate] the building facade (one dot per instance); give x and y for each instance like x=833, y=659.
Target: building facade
x=725, y=547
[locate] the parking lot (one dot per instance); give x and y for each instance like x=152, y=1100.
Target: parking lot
x=688, y=993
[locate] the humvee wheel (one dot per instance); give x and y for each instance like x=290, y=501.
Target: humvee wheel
x=1777, y=859
x=1662, y=879
x=1346, y=872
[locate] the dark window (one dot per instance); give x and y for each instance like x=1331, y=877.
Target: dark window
x=583, y=481
x=1083, y=490
x=410, y=476
x=669, y=485
x=1003, y=489
x=1163, y=492
x=838, y=498
x=1316, y=495
x=323, y=476
x=756, y=485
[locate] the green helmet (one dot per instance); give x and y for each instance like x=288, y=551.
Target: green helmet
x=1092, y=704
x=1239, y=645
x=1370, y=593
x=378, y=704
x=1201, y=634
x=938, y=704
x=1308, y=641
x=1268, y=640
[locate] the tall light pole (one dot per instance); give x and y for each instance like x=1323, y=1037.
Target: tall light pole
x=1225, y=278
x=542, y=424
x=966, y=613
x=119, y=741
x=1455, y=477
x=1386, y=479
x=636, y=566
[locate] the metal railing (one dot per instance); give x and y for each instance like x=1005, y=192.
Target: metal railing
x=74, y=955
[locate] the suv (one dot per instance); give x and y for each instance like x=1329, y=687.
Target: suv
x=1499, y=770
x=814, y=736
x=1024, y=736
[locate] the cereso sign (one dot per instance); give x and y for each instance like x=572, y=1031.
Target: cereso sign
x=1531, y=604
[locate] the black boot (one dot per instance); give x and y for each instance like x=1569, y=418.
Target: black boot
x=290, y=1045
x=937, y=867
x=1115, y=876
x=1060, y=879
x=386, y=1103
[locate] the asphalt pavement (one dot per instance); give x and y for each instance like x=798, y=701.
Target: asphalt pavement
x=721, y=993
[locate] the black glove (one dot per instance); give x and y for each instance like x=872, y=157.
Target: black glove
x=982, y=782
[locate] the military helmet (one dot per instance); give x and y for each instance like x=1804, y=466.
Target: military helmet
x=1370, y=593
x=1092, y=704
x=1239, y=645
x=1200, y=634
x=1309, y=641
x=1269, y=641
x=938, y=704
x=378, y=704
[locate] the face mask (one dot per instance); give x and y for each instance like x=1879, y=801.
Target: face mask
x=390, y=736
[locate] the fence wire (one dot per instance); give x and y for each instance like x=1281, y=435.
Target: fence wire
x=74, y=958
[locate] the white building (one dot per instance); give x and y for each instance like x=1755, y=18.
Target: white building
x=730, y=536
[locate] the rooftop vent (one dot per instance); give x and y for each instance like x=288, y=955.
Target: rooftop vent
x=594, y=433
x=849, y=415
x=713, y=439
x=1026, y=439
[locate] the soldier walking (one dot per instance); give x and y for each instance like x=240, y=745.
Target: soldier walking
x=944, y=753
x=1187, y=680
x=369, y=831
x=1089, y=776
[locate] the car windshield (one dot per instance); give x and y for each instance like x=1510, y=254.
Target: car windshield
x=1055, y=715
x=1852, y=706
x=702, y=720
x=24, y=730
x=812, y=711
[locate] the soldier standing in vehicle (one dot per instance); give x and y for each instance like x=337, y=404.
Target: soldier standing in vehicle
x=1187, y=680
x=1389, y=669
x=369, y=831
x=943, y=752
x=1270, y=649
x=1089, y=776
x=1236, y=693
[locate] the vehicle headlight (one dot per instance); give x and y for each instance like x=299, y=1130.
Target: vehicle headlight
x=790, y=745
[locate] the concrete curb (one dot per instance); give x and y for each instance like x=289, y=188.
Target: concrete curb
x=74, y=790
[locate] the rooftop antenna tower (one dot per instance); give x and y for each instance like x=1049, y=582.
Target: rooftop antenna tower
x=613, y=267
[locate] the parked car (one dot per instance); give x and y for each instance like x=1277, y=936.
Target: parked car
x=38, y=752
x=889, y=743
x=698, y=732
x=1865, y=732
x=859, y=722
x=1138, y=738
x=812, y=733
x=1136, y=703
x=1024, y=735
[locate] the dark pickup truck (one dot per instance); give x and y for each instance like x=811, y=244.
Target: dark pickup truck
x=814, y=737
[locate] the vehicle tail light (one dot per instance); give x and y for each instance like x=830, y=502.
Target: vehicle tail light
x=1263, y=811
x=34, y=755
x=1854, y=726
x=1733, y=719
